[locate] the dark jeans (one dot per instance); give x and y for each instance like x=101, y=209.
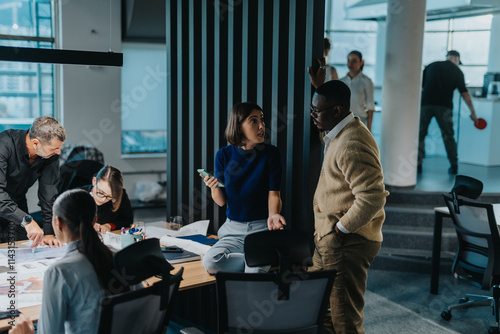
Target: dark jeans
x=444, y=118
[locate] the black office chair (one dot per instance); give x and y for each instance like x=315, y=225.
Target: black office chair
x=143, y=310
x=477, y=260
x=140, y=311
x=77, y=173
x=288, y=300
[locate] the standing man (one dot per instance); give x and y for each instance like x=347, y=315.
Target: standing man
x=25, y=157
x=438, y=83
x=348, y=205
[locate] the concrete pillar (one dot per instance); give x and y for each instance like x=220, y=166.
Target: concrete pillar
x=494, y=54
x=378, y=81
x=401, y=91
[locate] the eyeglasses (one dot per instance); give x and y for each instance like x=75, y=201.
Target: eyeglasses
x=316, y=112
x=103, y=196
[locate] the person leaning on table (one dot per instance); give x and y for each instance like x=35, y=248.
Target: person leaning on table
x=74, y=286
x=25, y=157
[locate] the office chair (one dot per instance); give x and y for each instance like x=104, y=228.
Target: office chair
x=144, y=310
x=140, y=311
x=477, y=260
x=288, y=300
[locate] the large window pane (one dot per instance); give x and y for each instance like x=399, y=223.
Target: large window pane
x=473, y=23
x=143, y=105
x=26, y=89
x=473, y=46
x=434, y=47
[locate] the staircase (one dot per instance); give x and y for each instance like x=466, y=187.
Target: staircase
x=408, y=231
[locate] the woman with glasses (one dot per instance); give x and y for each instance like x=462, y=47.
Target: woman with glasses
x=251, y=173
x=114, y=210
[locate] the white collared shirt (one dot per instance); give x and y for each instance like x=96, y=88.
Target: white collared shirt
x=361, y=94
x=335, y=131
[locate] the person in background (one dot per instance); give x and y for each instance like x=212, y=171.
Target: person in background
x=74, y=286
x=362, y=103
x=27, y=156
x=348, y=205
x=438, y=84
x=330, y=71
x=251, y=172
x=114, y=209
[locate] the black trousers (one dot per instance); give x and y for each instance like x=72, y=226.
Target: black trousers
x=444, y=118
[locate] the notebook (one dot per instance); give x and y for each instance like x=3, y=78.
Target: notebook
x=202, y=239
x=185, y=256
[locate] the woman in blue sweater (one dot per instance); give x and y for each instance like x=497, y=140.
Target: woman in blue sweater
x=251, y=173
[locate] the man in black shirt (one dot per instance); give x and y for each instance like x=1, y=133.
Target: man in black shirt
x=25, y=157
x=439, y=81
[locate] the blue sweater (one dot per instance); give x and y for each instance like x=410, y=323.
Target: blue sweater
x=248, y=176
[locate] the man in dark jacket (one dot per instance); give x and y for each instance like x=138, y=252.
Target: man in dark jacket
x=439, y=81
x=25, y=157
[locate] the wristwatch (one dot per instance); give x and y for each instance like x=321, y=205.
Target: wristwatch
x=26, y=220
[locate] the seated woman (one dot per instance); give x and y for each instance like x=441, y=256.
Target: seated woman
x=251, y=172
x=74, y=286
x=114, y=210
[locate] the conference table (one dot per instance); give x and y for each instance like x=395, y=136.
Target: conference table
x=194, y=276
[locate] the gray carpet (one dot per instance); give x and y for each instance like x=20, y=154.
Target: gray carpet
x=400, y=302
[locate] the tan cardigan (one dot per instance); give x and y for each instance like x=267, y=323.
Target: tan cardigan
x=350, y=187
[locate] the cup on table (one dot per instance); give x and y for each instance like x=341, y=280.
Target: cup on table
x=140, y=226
x=176, y=223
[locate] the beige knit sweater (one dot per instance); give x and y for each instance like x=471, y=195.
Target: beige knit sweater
x=350, y=187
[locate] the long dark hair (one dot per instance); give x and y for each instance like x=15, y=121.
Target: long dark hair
x=77, y=210
x=114, y=177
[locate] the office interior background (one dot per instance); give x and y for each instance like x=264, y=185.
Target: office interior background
x=187, y=62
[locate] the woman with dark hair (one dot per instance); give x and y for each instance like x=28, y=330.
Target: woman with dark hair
x=74, y=286
x=362, y=103
x=114, y=210
x=251, y=173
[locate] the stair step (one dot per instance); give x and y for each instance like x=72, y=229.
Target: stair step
x=418, y=197
x=421, y=238
x=415, y=215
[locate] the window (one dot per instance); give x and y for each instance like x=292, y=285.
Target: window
x=143, y=101
x=26, y=89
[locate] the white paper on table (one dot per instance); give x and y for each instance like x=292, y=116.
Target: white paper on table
x=188, y=245
x=24, y=254
x=199, y=227
x=113, y=241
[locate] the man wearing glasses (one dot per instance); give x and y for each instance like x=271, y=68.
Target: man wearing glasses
x=27, y=156
x=348, y=205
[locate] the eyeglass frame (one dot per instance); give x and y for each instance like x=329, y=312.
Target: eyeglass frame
x=316, y=113
x=102, y=195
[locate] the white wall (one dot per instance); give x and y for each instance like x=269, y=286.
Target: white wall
x=90, y=97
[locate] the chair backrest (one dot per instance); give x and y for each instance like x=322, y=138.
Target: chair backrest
x=140, y=311
x=75, y=174
x=141, y=260
x=288, y=249
x=478, y=256
x=249, y=303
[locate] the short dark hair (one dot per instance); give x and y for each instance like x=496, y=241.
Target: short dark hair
x=336, y=92
x=46, y=128
x=239, y=113
x=360, y=56
x=327, y=44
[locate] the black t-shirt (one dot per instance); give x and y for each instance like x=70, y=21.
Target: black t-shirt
x=439, y=81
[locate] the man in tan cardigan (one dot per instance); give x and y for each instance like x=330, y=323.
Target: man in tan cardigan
x=348, y=205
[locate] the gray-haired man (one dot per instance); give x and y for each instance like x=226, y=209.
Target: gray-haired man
x=25, y=157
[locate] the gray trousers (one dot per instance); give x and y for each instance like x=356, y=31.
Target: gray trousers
x=444, y=118
x=227, y=254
